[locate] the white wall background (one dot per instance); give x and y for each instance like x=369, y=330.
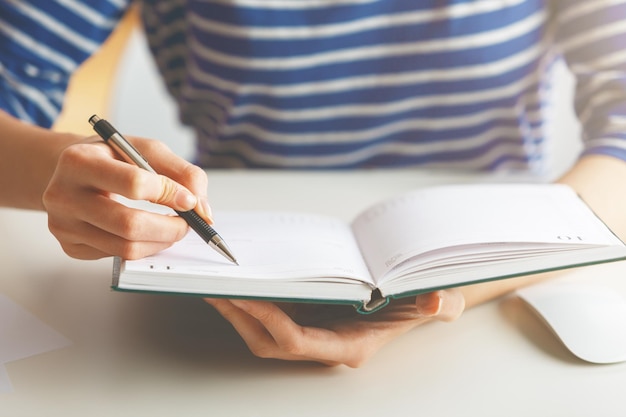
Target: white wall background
x=142, y=107
x=140, y=103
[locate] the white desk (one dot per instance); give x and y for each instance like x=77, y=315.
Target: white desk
x=147, y=355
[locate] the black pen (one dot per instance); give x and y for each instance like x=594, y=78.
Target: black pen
x=131, y=155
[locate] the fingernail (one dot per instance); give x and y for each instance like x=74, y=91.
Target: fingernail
x=241, y=304
x=185, y=200
x=428, y=305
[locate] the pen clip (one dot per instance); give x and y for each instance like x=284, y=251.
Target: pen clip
x=123, y=147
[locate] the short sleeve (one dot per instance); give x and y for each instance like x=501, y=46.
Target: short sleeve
x=41, y=44
x=592, y=38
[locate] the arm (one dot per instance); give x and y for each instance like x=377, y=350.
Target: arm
x=594, y=178
x=590, y=38
x=28, y=154
x=75, y=180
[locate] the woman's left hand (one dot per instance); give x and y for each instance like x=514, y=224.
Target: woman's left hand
x=332, y=335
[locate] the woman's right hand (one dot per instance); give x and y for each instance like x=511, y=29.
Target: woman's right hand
x=89, y=223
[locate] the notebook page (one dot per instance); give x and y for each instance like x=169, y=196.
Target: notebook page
x=439, y=217
x=268, y=245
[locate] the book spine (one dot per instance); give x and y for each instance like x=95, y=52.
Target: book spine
x=376, y=302
x=117, y=269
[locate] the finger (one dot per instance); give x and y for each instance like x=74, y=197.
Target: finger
x=84, y=241
x=443, y=305
x=138, y=184
x=130, y=223
x=123, y=249
x=452, y=305
x=98, y=170
x=256, y=337
x=292, y=341
x=165, y=162
x=83, y=252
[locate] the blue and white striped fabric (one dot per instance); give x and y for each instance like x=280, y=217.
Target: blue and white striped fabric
x=353, y=83
x=387, y=83
x=41, y=44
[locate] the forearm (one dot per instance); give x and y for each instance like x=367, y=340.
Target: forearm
x=28, y=156
x=597, y=180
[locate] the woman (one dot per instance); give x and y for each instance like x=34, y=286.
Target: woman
x=312, y=84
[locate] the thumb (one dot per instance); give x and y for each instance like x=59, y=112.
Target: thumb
x=443, y=305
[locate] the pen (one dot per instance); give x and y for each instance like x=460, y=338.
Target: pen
x=130, y=154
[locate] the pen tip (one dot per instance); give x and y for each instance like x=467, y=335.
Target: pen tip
x=222, y=248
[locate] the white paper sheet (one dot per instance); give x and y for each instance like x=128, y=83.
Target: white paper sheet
x=5, y=382
x=23, y=335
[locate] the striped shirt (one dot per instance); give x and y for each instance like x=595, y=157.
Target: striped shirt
x=351, y=83
x=41, y=44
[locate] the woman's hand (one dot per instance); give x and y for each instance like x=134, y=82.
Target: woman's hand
x=332, y=335
x=87, y=220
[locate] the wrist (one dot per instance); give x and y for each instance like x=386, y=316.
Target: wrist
x=29, y=158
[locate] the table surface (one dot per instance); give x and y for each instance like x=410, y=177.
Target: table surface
x=158, y=355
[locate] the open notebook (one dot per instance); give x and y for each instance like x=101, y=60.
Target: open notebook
x=427, y=239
